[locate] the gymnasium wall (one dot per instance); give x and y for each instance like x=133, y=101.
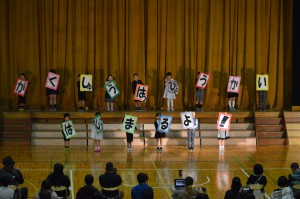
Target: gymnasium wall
x=150, y=37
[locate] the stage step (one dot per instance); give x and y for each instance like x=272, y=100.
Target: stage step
x=292, y=120
x=231, y=141
x=15, y=131
x=270, y=128
x=233, y=133
x=171, y=141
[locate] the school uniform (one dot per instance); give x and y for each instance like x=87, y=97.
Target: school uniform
x=191, y=134
x=96, y=135
x=231, y=95
x=167, y=94
x=81, y=94
x=157, y=133
x=223, y=135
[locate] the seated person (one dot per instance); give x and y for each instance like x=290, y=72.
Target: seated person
x=15, y=176
x=234, y=192
x=110, y=182
x=294, y=178
x=202, y=196
x=88, y=191
x=5, y=191
x=284, y=191
x=137, y=191
x=189, y=191
x=59, y=179
x=148, y=193
x=46, y=187
x=257, y=177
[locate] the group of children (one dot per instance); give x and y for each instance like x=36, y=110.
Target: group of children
x=170, y=96
x=97, y=134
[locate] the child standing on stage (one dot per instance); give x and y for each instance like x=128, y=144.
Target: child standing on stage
x=169, y=95
x=97, y=131
x=52, y=96
x=129, y=138
x=200, y=92
x=136, y=81
x=222, y=136
x=66, y=141
x=81, y=96
x=191, y=133
x=158, y=135
x=22, y=99
x=109, y=101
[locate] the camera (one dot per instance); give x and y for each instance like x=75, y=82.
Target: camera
x=180, y=174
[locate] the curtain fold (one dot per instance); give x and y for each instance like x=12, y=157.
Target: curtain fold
x=148, y=37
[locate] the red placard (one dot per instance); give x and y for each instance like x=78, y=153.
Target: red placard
x=141, y=92
x=52, y=81
x=202, y=81
x=224, y=120
x=234, y=84
x=21, y=87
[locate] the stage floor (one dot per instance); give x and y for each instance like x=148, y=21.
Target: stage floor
x=208, y=167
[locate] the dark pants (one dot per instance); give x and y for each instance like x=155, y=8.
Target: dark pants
x=262, y=95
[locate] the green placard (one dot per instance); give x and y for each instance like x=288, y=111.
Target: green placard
x=112, y=89
x=98, y=124
x=129, y=123
x=68, y=129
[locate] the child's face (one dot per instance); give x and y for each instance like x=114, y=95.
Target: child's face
x=110, y=78
x=169, y=77
x=135, y=78
x=22, y=77
x=157, y=117
x=67, y=118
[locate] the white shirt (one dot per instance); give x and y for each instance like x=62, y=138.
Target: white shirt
x=6, y=193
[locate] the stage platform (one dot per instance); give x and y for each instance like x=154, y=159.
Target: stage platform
x=247, y=128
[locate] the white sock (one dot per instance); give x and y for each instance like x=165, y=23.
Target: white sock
x=229, y=104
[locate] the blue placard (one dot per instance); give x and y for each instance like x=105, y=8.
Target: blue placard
x=165, y=124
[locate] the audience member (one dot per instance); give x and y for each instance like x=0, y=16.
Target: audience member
x=110, y=182
x=294, y=178
x=46, y=187
x=137, y=191
x=257, y=177
x=45, y=195
x=284, y=191
x=188, y=191
x=234, y=192
x=14, y=175
x=88, y=191
x=148, y=193
x=5, y=191
x=59, y=179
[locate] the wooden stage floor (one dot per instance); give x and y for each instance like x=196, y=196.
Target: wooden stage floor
x=206, y=165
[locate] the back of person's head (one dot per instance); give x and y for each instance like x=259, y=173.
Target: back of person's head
x=45, y=194
x=294, y=166
x=46, y=185
x=142, y=178
x=282, y=181
x=202, y=196
x=148, y=193
x=258, y=169
x=89, y=179
x=189, y=181
x=236, y=184
x=8, y=162
x=58, y=169
x=97, y=113
x=109, y=167
x=4, y=181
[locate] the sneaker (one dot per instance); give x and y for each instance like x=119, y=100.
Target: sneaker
x=130, y=149
x=157, y=148
x=108, y=110
x=112, y=110
x=136, y=108
x=161, y=148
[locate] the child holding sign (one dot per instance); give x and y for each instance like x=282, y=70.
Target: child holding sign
x=223, y=125
x=52, y=95
x=171, y=88
x=201, y=78
x=191, y=133
x=66, y=140
x=22, y=99
x=136, y=81
x=109, y=101
x=97, y=131
x=158, y=135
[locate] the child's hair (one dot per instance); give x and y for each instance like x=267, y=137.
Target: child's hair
x=198, y=73
x=109, y=76
x=52, y=71
x=97, y=113
x=135, y=74
x=89, y=179
x=66, y=115
x=22, y=74
x=169, y=74
x=158, y=114
x=78, y=75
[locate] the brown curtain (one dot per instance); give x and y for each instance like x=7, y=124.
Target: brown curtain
x=149, y=37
